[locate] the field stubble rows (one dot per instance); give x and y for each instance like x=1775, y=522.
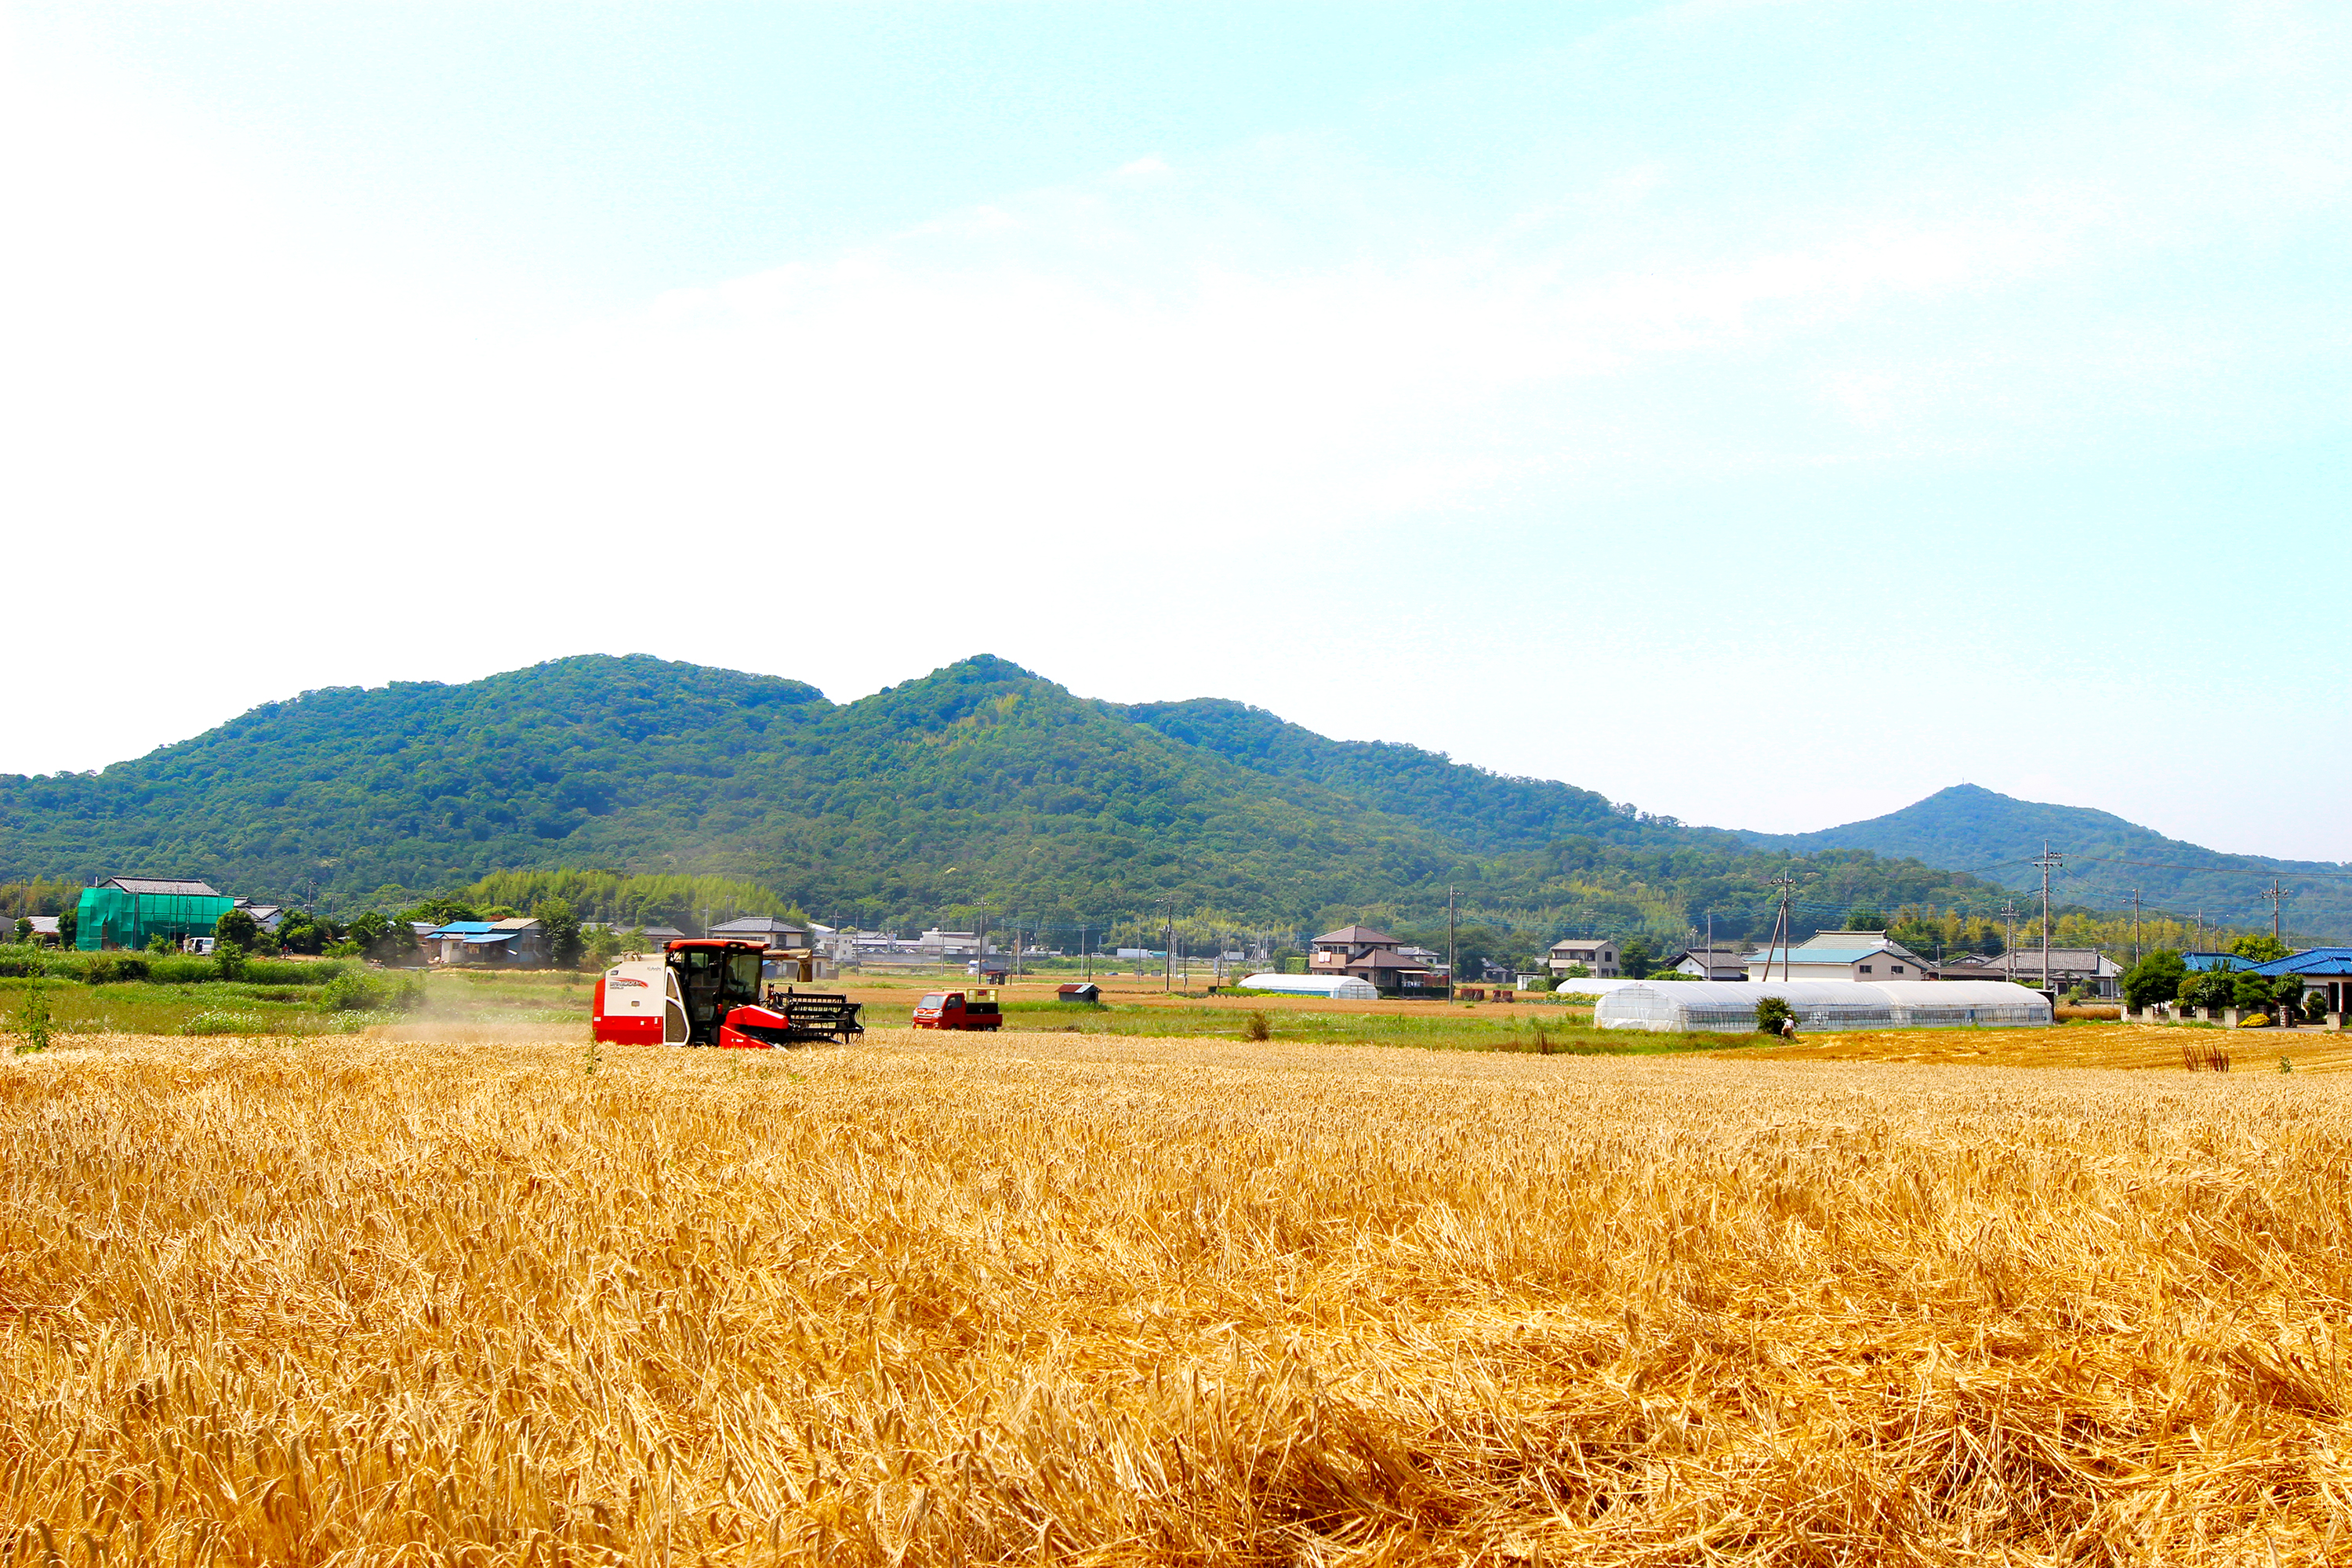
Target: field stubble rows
x=1083, y=1299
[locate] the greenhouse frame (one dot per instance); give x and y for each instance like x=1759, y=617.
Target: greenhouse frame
x=129, y=911
x=1728, y=1006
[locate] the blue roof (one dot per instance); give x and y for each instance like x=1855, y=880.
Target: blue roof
x=2201, y=962
x=2311, y=961
x=463, y=927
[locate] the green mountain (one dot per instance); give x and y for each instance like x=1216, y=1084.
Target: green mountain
x=1995, y=836
x=978, y=783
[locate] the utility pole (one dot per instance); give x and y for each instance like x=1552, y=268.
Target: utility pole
x=2009, y=938
x=2277, y=896
x=1783, y=935
x=1450, y=976
x=2135, y=925
x=979, y=943
x=2048, y=863
x=1167, y=959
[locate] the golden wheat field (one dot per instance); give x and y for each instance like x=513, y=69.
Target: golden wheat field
x=1062, y=1298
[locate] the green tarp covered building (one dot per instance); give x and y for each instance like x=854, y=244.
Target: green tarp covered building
x=128, y=912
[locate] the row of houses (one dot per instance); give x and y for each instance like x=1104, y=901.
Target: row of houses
x=1866, y=955
x=1396, y=968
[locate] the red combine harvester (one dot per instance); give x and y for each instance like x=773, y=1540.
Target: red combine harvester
x=707, y=992
x=959, y=1010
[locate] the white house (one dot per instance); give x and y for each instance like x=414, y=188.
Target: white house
x=1866, y=955
x=1711, y=962
x=766, y=930
x=1597, y=954
x=948, y=943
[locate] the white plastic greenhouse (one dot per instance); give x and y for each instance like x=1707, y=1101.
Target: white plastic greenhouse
x=1728, y=1006
x=1337, y=987
x=1597, y=987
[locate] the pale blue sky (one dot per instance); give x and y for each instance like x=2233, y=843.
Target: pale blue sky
x=1765, y=413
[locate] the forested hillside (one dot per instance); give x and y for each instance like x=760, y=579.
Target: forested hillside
x=1997, y=837
x=980, y=784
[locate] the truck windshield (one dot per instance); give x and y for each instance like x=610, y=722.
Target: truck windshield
x=936, y=999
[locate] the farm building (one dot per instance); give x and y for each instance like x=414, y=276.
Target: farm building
x=520, y=942
x=1729, y=1007
x=1336, y=987
x=129, y=911
x=1866, y=955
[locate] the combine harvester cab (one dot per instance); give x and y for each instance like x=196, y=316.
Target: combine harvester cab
x=707, y=992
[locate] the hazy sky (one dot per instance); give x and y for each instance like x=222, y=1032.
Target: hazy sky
x=1767, y=414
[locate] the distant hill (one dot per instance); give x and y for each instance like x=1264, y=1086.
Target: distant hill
x=1976, y=830
x=979, y=782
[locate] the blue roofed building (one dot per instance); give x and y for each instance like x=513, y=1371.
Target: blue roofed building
x=520, y=942
x=2327, y=968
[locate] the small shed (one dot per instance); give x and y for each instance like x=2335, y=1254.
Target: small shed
x=1084, y=991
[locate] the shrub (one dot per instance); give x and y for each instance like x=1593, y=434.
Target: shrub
x=1257, y=1026
x=228, y=958
x=358, y=991
x=292, y=972
x=351, y=994
x=1772, y=1012
x=20, y=961
x=2258, y=1021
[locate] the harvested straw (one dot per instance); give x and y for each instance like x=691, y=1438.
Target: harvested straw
x=1066, y=1297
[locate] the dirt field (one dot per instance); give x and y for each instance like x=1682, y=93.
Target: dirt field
x=1085, y=1299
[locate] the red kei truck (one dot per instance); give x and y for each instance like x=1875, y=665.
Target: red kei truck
x=707, y=992
x=959, y=1010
